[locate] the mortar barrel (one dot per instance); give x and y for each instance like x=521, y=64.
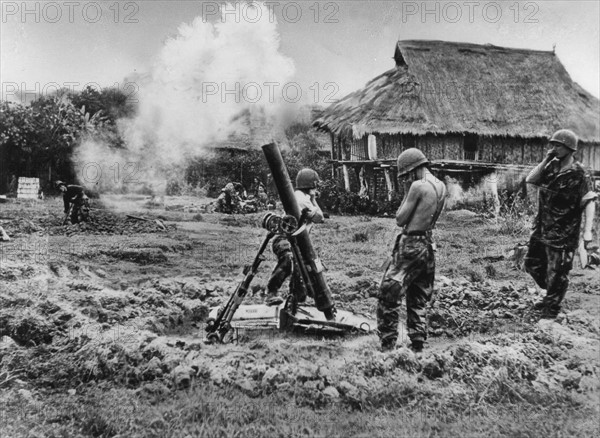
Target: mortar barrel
x=281, y=177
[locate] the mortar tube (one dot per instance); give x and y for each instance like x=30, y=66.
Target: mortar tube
x=281, y=178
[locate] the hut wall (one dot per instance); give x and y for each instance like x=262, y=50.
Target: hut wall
x=358, y=149
x=589, y=155
x=435, y=147
x=453, y=147
x=532, y=151
x=496, y=149
x=381, y=186
x=346, y=148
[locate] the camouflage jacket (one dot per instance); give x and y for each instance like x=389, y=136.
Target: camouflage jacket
x=561, y=204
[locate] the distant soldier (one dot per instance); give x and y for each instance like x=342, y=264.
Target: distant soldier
x=306, y=192
x=565, y=194
x=412, y=268
x=75, y=201
x=259, y=192
x=230, y=199
x=12, y=186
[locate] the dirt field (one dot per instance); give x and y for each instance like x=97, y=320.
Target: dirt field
x=102, y=334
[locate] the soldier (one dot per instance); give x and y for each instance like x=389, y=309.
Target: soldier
x=306, y=192
x=74, y=200
x=230, y=199
x=260, y=193
x=565, y=192
x=412, y=268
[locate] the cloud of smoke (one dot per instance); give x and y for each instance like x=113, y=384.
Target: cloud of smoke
x=176, y=115
x=177, y=119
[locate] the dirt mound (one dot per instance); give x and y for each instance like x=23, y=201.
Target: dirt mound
x=463, y=307
x=140, y=256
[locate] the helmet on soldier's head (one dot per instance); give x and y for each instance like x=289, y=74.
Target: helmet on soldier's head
x=565, y=137
x=307, y=179
x=59, y=183
x=409, y=160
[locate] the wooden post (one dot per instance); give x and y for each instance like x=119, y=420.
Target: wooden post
x=389, y=184
x=332, y=137
x=346, y=177
x=374, y=176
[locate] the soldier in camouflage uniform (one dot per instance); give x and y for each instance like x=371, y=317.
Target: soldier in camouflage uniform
x=565, y=193
x=412, y=268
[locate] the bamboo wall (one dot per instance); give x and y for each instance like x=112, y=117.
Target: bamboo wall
x=589, y=155
x=500, y=150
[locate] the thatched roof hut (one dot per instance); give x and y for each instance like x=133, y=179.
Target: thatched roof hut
x=441, y=87
x=469, y=108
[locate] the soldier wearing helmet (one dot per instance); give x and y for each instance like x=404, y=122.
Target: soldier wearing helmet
x=230, y=199
x=75, y=201
x=307, y=182
x=411, y=269
x=565, y=195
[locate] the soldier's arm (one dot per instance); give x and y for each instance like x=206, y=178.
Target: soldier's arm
x=409, y=204
x=305, y=201
x=589, y=200
x=590, y=211
x=535, y=176
x=316, y=214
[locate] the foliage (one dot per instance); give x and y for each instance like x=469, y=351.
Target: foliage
x=515, y=214
x=42, y=135
x=214, y=172
x=112, y=102
x=39, y=139
x=302, y=150
x=334, y=198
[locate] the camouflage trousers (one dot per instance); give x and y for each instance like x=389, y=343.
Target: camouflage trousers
x=284, y=269
x=549, y=268
x=411, y=273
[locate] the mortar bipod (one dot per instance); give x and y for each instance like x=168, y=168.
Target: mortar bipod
x=218, y=328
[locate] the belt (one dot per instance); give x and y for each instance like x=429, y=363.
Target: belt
x=417, y=233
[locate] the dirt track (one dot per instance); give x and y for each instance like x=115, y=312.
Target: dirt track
x=117, y=307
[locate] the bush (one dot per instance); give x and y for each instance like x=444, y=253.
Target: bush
x=334, y=198
x=224, y=166
x=515, y=214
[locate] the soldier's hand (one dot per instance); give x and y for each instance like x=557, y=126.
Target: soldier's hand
x=551, y=154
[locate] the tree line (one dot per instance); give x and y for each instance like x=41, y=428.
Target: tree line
x=38, y=139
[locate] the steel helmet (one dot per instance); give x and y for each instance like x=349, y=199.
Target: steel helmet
x=565, y=137
x=409, y=160
x=307, y=179
x=59, y=183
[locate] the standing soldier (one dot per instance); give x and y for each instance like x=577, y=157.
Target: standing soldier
x=412, y=268
x=565, y=192
x=306, y=193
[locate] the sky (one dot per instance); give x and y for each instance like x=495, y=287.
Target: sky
x=332, y=48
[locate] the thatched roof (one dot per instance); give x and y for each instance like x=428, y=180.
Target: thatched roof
x=441, y=87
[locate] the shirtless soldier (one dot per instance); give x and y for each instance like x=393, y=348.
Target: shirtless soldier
x=412, y=268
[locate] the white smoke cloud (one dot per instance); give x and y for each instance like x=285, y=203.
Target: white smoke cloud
x=183, y=104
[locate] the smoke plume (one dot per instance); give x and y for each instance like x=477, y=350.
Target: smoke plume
x=206, y=84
